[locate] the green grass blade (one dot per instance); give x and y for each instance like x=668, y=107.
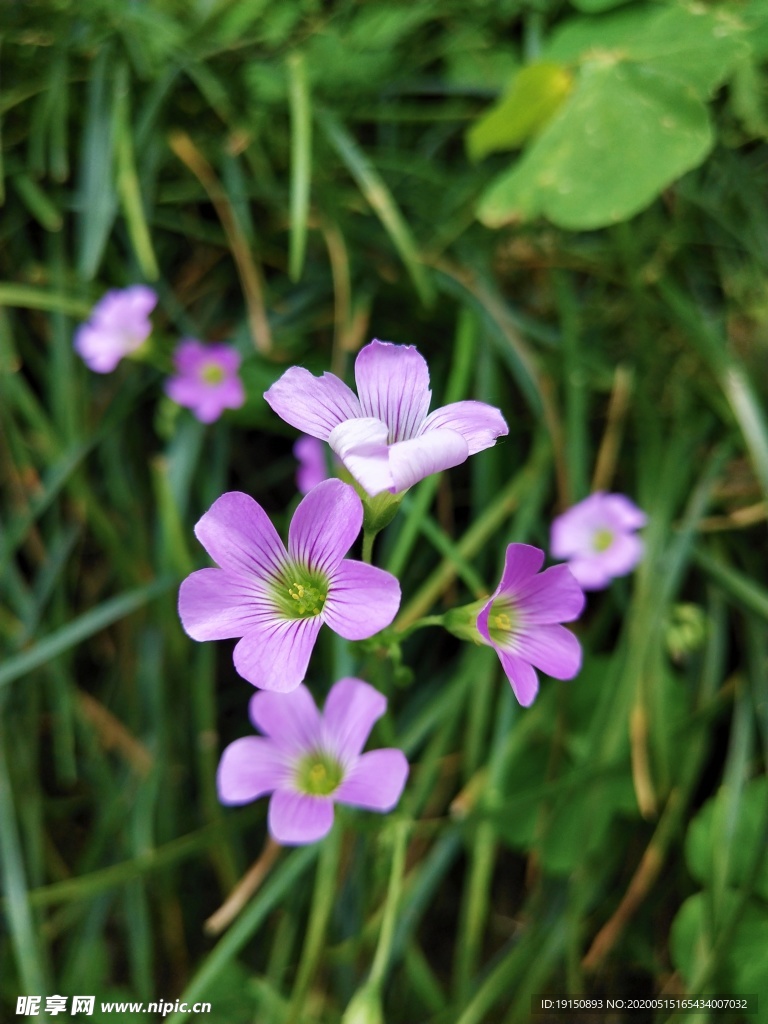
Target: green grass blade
x=374, y=189
x=301, y=162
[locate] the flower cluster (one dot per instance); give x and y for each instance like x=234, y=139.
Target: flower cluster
x=274, y=598
x=206, y=378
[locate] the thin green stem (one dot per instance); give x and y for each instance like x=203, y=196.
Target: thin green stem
x=387, y=933
x=368, y=538
x=322, y=902
x=427, y=620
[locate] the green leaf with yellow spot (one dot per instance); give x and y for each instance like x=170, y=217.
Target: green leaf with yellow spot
x=536, y=94
x=624, y=134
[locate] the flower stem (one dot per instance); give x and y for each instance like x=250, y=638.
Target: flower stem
x=387, y=933
x=428, y=620
x=322, y=902
x=369, y=536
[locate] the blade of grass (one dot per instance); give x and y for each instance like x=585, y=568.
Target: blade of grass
x=381, y=200
x=128, y=187
x=80, y=629
x=301, y=162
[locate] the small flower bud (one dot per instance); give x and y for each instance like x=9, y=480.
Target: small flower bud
x=462, y=622
x=364, y=1007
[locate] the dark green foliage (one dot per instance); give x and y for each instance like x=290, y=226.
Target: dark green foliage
x=293, y=177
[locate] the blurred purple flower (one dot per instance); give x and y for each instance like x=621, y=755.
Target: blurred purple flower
x=312, y=469
x=597, y=539
x=384, y=437
x=521, y=621
x=310, y=761
x=206, y=379
x=119, y=324
x=276, y=600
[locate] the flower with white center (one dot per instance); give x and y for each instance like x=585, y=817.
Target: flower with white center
x=385, y=435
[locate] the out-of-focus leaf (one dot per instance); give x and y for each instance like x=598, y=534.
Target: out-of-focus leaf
x=741, y=967
x=596, y=6
x=748, y=832
x=696, y=45
x=536, y=94
x=625, y=134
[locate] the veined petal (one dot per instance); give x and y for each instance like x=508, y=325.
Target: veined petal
x=237, y=533
x=478, y=423
x=249, y=768
x=553, y=649
x=362, y=446
x=376, y=781
x=522, y=677
x=314, y=405
x=552, y=596
x=521, y=561
x=218, y=605
x=351, y=709
x=295, y=818
x=362, y=599
x=325, y=525
x=420, y=457
x=393, y=385
x=276, y=654
x=291, y=720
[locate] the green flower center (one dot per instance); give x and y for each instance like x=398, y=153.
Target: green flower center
x=602, y=540
x=301, y=594
x=212, y=373
x=501, y=621
x=319, y=774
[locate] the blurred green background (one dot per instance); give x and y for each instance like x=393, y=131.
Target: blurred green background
x=563, y=205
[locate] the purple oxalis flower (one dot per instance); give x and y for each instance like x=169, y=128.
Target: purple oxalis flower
x=383, y=434
x=119, y=324
x=276, y=600
x=521, y=621
x=206, y=379
x=310, y=761
x=312, y=468
x=597, y=538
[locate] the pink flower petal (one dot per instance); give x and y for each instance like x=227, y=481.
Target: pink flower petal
x=295, y=818
x=522, y=677
x=393, y=386
x=375, y=781
x=217, y=605
x=291, y=720
x=325, y=525
x=520, y=563
x=362, y=600
x=351, y=709
x=624, y=512
x=276, y=655
x=553, y=649
x=249, y=768
x=623, y=555
x=312, y=469
x=361, y=445
x=237, y=534
x=478, y=423
x=551, y=596
x=411, y=461
x=314, y=405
